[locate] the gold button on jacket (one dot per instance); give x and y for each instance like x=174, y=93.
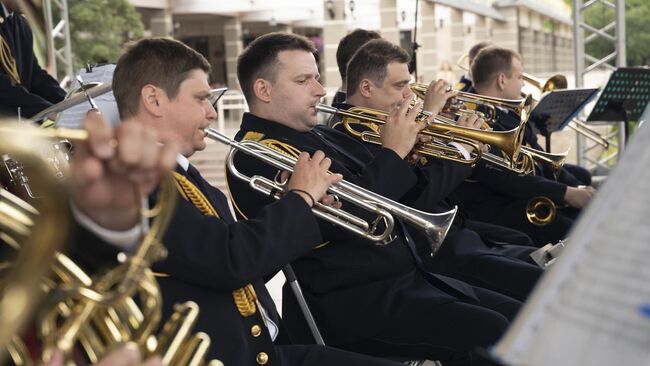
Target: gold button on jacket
x=256, y=330
x=262, y=358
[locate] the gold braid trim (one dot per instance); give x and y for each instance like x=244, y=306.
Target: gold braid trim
x=245, y=298
x=8, y=62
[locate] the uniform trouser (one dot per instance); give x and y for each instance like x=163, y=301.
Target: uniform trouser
x=315, y=355
x=512, y=277
x=449, y=335
x=498, y=233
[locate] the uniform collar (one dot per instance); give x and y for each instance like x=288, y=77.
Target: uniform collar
x=251, y=122
x=183, y=162
x=4, y=12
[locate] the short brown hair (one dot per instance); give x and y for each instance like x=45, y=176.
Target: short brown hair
x=162, y=62
x=260, y=58
x=491, y=61
x=471, y=55
x=349, y=44
x=371, y=62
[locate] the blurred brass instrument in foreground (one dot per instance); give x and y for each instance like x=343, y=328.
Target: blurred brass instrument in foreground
x=28, y=240
x=443, y=131
x=433, y=225
x=122, y=305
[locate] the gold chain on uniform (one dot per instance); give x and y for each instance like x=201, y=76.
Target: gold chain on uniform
x=8, y=62
x=245, y=297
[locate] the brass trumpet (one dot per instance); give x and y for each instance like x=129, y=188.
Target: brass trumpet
x=434, y=225
x=467, y=103
x=443, y=131
x=540, y=211
x=555, y=161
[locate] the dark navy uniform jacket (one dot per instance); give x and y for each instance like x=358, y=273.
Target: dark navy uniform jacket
x=37, y=89
x=209, y=257
x=354, y=287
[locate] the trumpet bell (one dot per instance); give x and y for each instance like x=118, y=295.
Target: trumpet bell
x=540, y=211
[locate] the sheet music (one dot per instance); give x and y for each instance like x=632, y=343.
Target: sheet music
x=72, y=117
x=593, y=306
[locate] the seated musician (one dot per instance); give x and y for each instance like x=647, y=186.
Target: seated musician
x=373, y=299
x=378, y=79
x=348, y=45
x=570, y=174
x=162, y=85
x=465, y=82
x=500, y=196
x=23, y=83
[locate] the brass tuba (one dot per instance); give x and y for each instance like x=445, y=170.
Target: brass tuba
x=29, y=238
x=100, y=312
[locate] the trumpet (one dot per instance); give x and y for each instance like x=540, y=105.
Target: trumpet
x=443, y=131
x=555, y=161
x=467, y=103
x=540, y=211
x=559, y=81
x=434, y=225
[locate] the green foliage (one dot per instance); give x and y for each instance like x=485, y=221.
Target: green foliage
x=637, y=14
x=99, y=29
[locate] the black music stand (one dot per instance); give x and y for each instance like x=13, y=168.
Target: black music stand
x=624, y=98
x=556, y=109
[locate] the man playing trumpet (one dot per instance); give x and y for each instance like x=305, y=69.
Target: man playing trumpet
x=375, y=300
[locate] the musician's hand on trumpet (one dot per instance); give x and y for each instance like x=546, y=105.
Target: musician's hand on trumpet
x=112, y=165
x=437, y=95
x=311, y=179
x=400, y=132
x=579, y=197
x=475, y=122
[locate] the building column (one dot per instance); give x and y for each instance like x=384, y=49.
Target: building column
x=334, y=28
x=427, y=61
x=161, y=23
x=388, y=21
x=480, y=30
x=232, y=33
x=457, y=38
x=506, y=34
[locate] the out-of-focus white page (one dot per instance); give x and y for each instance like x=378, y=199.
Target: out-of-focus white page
x=593, y=306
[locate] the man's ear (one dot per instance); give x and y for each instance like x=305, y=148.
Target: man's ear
x=262, y=89
x=365, y=88
x=151, y=98
x=501, y=81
